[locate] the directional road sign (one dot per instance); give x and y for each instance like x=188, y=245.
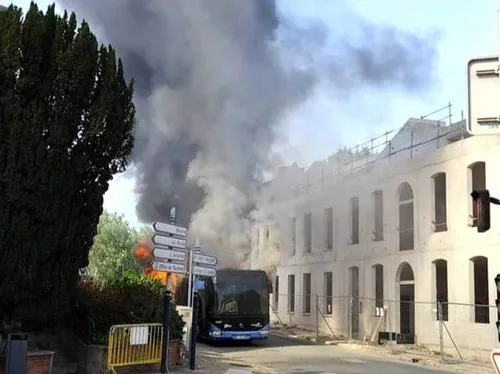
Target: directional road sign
x=495, y=359
x=483, y=96
x=169, y=241
x=170, y=229
x=207, y=272
x=204, y=259
x=169, y=267
x=169, y=254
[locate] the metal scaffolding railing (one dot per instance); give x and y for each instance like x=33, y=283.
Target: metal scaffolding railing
x=347, y=161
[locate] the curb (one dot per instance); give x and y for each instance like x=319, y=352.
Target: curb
x=256, y=368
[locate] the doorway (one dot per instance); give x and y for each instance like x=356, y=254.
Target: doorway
x=406, y=283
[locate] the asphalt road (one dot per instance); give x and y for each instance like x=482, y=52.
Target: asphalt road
x=284, y=355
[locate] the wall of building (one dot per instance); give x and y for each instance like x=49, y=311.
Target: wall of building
x=457, y=245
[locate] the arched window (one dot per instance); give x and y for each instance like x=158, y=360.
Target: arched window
x=406, y=221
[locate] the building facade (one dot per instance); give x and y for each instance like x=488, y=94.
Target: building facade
x=383, y=239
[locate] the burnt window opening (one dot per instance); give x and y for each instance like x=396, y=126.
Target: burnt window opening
x=306, y=301
x=276, y=292
x=308, y=233
x=378, y=216
x=477, y=181
x=328, y=292
x=267, y=234
x=406, y=219
x=354, y=294
x=481, y=297
x=440, y=220
x=294, y=233
x=379, y=289
x=329, y=228
x=354, y=212
x=291, y=293
x=441, y=267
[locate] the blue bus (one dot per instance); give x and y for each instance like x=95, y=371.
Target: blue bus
x=233, y=306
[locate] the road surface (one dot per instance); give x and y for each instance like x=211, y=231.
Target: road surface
x=285, y=355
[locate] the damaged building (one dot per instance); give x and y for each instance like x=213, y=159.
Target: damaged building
x=382, y=239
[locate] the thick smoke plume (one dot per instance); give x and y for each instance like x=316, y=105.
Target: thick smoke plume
x=213, y=83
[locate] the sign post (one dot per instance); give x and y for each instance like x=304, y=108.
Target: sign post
x=202, y=265
x=169, y=254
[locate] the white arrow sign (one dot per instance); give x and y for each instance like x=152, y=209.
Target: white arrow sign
x=169, y=241
x=169, y=267
x=169, y=254
x=170, y=229
x=207, y=260
x=207, y=272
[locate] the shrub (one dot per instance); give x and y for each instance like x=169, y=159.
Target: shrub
x=131, y=298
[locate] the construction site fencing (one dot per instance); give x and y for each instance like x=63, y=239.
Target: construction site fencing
x=310, y=313
x=467, y=331
x=137, y=344
x=452, y=331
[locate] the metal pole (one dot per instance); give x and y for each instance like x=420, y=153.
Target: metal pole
x=192, y=276
x=441, y=339
x=498, y=37
x=166, y=314
x=194, y=332
x=349, y=316
x=317, y=318
x=164, y=345
x=190, y=279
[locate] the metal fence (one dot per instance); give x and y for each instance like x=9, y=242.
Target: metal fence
x=138, y=344
x=467, y=332
x=452, y=331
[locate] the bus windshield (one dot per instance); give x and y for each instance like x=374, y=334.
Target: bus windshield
x=241, y=293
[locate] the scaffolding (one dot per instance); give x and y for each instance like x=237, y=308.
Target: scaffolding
x=348, y=161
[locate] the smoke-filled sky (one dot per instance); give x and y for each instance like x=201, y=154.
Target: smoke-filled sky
x=222, y=83
x=216, y=81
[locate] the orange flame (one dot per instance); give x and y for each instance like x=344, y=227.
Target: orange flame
x=143, y=255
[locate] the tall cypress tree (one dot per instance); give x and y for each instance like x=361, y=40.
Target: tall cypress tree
x=66, y=126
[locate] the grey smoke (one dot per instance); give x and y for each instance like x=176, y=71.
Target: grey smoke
x=214, y=81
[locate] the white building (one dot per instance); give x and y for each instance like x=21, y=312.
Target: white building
x=391, y=229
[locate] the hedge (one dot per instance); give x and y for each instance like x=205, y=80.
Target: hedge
x=129, y=298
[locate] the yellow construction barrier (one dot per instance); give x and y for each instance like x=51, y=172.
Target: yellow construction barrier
x=137, y=344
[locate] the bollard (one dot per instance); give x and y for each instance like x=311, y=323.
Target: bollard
x=17, y=354
x=194, y=332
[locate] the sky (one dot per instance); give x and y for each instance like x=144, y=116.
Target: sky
x=465, y=30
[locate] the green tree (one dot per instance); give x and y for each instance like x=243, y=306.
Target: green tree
x=111, y=253
x=66, y=126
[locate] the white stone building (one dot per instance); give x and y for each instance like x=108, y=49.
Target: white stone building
x=391, y=229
